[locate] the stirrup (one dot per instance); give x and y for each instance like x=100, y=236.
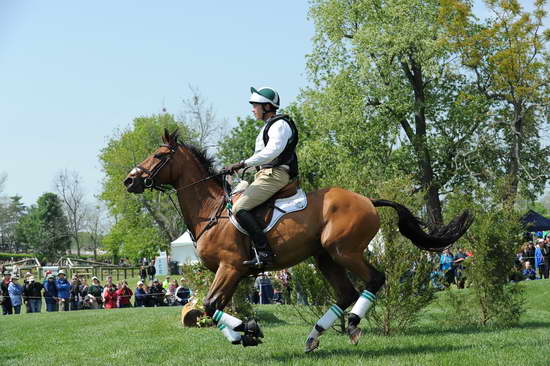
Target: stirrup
x=256, y=261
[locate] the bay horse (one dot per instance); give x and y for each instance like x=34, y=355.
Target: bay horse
x=335, y=228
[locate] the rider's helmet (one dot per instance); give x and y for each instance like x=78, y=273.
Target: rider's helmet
x=265, y=95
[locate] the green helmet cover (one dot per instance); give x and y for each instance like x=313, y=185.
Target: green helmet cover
x=265, y=95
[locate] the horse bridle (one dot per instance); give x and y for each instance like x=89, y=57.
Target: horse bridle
x=149, y=181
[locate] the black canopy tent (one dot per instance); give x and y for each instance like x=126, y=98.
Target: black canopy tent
x=533, y=221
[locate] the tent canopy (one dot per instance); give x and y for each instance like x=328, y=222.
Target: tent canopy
x=533, y=221
x=183, y=250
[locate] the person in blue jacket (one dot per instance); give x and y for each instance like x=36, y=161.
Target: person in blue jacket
x=16, y=291
x=139, y=295
x=50, y=293
x=63, y=290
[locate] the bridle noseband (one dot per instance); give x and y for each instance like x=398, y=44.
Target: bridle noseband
x=149, y=181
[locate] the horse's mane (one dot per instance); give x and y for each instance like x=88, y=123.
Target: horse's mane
x=206, y=161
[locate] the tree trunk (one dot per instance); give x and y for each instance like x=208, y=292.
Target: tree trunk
x=413, y=71
x=514, y=162
x=163, y=226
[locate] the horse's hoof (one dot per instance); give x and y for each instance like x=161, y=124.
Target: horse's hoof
x=253, y=329
x=311, y=344
x=354, y=335
x=248, y=341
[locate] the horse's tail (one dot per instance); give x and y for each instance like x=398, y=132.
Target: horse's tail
x=438, y=238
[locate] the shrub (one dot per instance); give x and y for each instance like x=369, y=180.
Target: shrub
x=15, y=256
x=494, y=238
x=407, y=268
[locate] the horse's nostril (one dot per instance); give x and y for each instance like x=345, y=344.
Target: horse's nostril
x=128, y=181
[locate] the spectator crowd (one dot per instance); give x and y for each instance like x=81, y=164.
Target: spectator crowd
x=532, y=262
x=60, y=294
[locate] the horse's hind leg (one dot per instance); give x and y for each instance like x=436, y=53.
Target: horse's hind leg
x=345, y=293
x=373, y=280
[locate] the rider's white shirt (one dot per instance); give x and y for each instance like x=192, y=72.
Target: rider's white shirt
x=279, y=133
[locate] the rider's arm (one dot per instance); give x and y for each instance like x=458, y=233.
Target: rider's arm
x=279, y=133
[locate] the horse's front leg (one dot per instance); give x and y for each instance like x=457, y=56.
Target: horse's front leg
x=225, y=282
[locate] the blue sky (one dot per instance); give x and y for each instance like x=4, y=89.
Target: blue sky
x=73, y=72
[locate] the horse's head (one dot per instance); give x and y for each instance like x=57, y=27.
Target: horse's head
x=154, y=171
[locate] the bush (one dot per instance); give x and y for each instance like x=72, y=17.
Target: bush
x=494, y=238
x=16, y=256
x=407, y=268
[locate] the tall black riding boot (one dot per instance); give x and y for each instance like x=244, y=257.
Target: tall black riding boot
x=249, y=223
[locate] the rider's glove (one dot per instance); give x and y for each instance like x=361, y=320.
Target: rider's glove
x=231, y=168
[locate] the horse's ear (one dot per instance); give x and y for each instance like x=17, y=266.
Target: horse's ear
x=166, y=137
x=174, y=137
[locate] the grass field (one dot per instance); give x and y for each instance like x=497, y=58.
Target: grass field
x=153, y=336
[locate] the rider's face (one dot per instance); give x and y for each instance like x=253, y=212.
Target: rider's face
x=258, y=110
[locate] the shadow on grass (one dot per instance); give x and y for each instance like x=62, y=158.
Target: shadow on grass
x=268, y=317
x=370, y=353
x=472, y=329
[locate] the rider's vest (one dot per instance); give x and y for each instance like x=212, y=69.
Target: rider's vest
x=288, y=156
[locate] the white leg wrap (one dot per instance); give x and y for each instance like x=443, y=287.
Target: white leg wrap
x=226, y=319
x=229, y=333
x=363, y=304
x=326, y=321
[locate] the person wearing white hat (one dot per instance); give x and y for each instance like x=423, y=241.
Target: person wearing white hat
x=276, y=162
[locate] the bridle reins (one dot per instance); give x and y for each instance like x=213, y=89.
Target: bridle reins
x=150, y=183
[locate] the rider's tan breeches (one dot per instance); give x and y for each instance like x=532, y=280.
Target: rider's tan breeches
x=266, y=183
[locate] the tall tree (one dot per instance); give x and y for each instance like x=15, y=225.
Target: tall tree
x=199, y=115
x=11, y=211
x=45, y=228
x=388, y=98
x=3, y=178
x=152, y=210
x=509, y=56
x=69, y=187
x=96, y=225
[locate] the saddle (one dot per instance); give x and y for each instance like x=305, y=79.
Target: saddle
x=264, y=212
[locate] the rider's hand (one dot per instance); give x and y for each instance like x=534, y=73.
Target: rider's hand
x=231, y=168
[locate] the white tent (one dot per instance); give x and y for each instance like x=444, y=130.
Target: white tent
x=183, y=250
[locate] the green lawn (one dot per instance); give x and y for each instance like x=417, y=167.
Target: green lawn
x=148, y=336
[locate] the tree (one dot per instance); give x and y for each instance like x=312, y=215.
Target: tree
x=199, y=115
x=45, y=228
x=240, y=142
x=508, y=55
x=11, y=211
x=3, y=178
x=152, y=211
x=96, y=225
x=388, y=99
x=68, y=186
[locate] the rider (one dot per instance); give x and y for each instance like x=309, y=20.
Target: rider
x=276, y=164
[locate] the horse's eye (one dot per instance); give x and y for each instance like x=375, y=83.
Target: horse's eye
x=158, y=156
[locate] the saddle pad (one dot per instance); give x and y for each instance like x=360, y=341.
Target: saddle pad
x=289, y=204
